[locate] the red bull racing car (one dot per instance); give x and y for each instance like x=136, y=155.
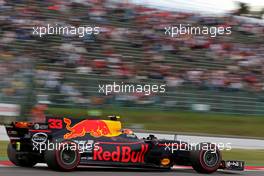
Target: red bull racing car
x=65, y=143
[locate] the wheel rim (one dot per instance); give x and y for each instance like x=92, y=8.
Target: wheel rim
x=210, y=158
x=68, y=156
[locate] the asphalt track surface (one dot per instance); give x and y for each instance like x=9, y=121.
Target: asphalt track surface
x=99, y=171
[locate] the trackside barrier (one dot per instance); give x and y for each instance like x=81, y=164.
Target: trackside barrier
x=239, y=143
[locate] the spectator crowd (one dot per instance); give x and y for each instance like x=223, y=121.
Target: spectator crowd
x=131, y=47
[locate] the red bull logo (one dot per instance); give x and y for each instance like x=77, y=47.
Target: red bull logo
x=96, y=128
x=122, y=154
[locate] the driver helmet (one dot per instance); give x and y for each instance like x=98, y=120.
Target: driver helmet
x=127, y=131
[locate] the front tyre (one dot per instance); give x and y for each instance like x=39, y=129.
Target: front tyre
x=65, y=157
x=205, y=161
x=22, y=161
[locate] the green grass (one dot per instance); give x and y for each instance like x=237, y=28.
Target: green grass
x=251, y=157
x=3, y=147
x=181, y=121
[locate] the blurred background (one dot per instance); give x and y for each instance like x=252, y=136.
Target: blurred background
x=212, y=84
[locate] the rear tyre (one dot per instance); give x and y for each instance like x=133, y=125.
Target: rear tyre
x=205, y=161
x=23, y=161
x=64, y=158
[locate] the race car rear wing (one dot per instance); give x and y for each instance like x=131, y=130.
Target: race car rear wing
x=51, y=125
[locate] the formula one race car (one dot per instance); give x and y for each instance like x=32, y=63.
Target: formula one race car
x=65, y=143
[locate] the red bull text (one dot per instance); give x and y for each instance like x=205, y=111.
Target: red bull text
x=122, y=154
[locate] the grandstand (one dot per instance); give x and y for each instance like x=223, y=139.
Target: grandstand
x=224, y=74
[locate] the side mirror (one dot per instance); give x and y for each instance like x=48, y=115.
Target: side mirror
x=114, y=117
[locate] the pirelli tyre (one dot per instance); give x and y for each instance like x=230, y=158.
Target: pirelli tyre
x=64, y=157
x=26, y=160
x=205, y=158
